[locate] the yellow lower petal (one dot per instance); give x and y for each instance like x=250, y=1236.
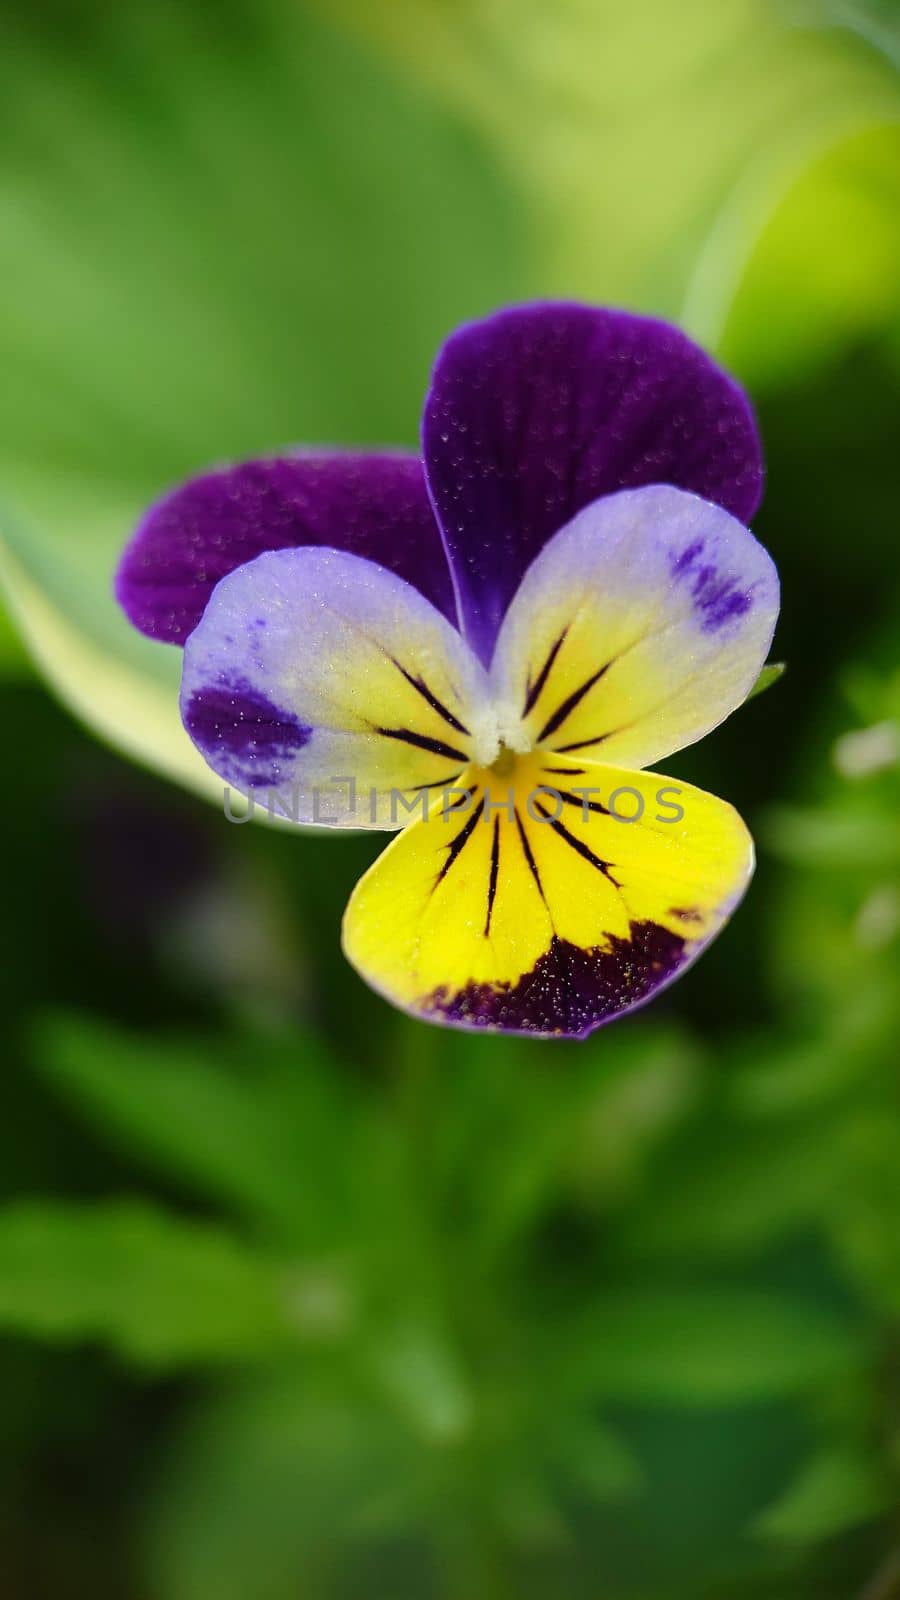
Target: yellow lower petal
x=541, y=909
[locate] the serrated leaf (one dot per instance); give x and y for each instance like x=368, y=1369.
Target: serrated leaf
x=161, y=1291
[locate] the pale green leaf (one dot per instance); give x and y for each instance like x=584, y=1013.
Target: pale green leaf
x=134, y=710
x=261, y=248
x=653, y=141
x=826, y=270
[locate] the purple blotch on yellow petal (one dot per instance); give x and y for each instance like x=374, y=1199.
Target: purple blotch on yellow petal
x=569, y=991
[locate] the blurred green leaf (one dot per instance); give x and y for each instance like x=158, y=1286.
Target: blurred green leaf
x=252, y=1122
x=596, y=1460
x=221, y=261
x=260, y=248
x=730, y=1193
x=134, y=710
x=866, y=1224
x=420, y=1372
x=271, y=1490
x=706, y=1346
x=837, y=1490
x=162, y=1291
x=873, y=692
x=779, y=1077
x=652, y=141
x=518, y=1132
x=13, y=659
x=861, y=839
x=825, y=271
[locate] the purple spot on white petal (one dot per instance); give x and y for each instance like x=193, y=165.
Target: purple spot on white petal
x=718, y=599
x=688, y=556
x=243, y=736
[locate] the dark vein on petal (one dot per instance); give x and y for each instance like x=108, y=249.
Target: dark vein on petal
x=571, y=701
x=582, y=744
x=495, y=868
x=535, y=688
x=529, y=857
x=645, y=716
x=581, y=801
x=421, y=741
x=579, y=846
x=569, y=772
x=463, y=799
x=458, y=843
x=437, y=705
x=439, y=783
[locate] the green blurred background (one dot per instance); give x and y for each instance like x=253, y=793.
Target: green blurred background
x=299, y=1298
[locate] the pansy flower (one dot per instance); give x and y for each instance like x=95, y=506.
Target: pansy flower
x=486, y=650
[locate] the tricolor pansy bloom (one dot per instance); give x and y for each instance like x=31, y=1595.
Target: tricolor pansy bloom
x=558, y=594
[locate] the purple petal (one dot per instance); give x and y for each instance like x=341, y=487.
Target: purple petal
x=539, y=410
x=370, y=505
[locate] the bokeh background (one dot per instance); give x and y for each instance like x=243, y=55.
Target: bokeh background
x=301, y=1300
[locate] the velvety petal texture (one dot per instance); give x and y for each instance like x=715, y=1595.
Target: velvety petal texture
x=638, y=628
x=537, y=411
x=555, y=901
x=371, y=505
x=328, y=680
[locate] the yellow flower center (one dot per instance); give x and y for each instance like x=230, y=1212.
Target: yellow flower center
x=505, y=764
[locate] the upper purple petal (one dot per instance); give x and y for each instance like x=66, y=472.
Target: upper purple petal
x=375, y=506
x=539, y=410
